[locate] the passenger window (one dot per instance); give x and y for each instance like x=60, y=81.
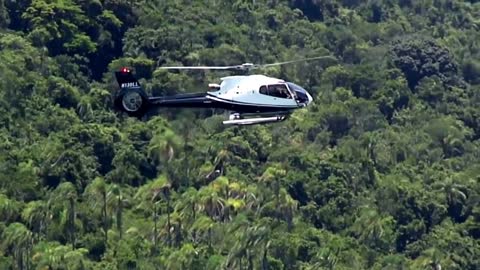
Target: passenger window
x=278, y=90
x=263, y=90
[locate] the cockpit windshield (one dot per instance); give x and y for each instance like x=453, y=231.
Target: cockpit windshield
x=301, y=94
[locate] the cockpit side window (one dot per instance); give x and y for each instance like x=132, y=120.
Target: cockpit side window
x=263, y=90
x=276, y=90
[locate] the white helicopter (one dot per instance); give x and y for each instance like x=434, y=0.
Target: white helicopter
x=252, y=99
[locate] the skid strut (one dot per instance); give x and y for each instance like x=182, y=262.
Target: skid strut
x=234, y=116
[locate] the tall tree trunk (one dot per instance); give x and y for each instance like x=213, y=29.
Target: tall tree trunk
x=72, y=222
x=20, y=258
x=194, y=211
x=169, y=240
x=119, y=217
x=249, y=260
x=264, y=259
x=104, y=214
x=194, y=232
x=155, y=232
x=27, y=257
x=276, y=189
x=46, y=223
x=209, y=237
x=226, y=213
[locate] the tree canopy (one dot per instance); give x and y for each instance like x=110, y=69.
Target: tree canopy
x=380, y=172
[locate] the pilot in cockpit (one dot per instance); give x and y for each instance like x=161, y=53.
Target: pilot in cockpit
x=282, y=89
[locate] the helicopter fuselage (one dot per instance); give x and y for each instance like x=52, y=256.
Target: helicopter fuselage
x=244, y=94
x=240, y=94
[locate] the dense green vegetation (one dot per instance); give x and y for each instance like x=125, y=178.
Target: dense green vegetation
x=381, y=172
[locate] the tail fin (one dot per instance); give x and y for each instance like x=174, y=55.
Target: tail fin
x=126, y=79
x=131, y=98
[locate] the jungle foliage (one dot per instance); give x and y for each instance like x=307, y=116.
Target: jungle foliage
x=381, y=172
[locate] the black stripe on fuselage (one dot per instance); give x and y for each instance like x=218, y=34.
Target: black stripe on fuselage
x=201, y=100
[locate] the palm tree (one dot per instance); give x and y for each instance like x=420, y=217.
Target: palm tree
x=115, y=198
x=151, y=196
x=239, y=197
x=35, y=215
x=177, y=228
x=247, y=193
x=221, y=187
x=163, y=145
x=66, y=191
x=327, y=257
x=17, y=238
x=252, y=197
x=250, y=241
x=84, y=107
x=455, y=194
x=182, y=258
x=161, y=189
x=8, y=208
x=271, y=177
x=433, y=259
x=52, y=255
x=222, y=159
x=373, y=229
x=148, y=200
x=202, y=228
x=287, y=207
x=98, y=189
x=211, y=202
x=188, y=204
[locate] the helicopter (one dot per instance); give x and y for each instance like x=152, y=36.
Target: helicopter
x=251, y=99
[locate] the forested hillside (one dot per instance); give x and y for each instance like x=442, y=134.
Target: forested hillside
x=381, y=172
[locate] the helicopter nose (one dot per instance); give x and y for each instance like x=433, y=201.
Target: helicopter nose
x=310, y=98
x=302, y=96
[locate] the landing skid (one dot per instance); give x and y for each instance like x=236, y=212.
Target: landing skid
x=237, y=119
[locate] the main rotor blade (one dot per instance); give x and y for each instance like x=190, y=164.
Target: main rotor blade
x=295, y=61
x=200, y=67
x=245, y=66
